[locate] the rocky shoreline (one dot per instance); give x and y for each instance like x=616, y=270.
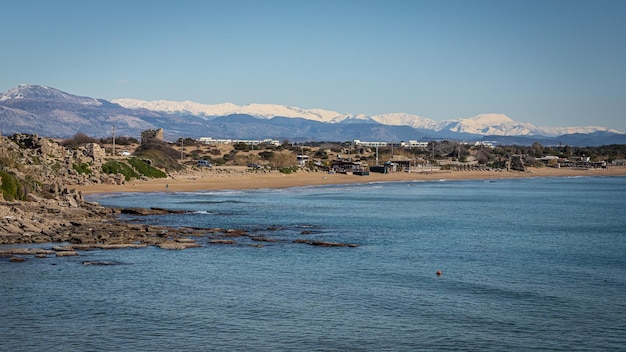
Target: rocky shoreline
x=84, y=226
x=44, y=176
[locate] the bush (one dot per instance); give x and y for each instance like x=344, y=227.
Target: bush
x=288, y=169
x=82, y=168
x=266, y=155
x=78, y=140
x=119, y=140
x=143, y=168
x=115, y=167
x=11, y=187
x=241, y=146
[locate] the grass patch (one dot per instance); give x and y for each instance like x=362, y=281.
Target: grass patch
x=144, y=168
x=115, y=167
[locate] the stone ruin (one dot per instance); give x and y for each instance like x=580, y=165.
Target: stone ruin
x=150, y=135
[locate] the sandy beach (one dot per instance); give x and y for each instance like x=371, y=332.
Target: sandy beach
x=236, y=179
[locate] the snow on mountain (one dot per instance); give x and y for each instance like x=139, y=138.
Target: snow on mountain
x=491, y=124
x=268, y=111
x=403, y=119
x=559, y=131
x=31, y=92
x=265, y=111
x=483, y=124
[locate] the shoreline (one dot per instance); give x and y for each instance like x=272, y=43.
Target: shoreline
x=216, y=181
x=88, y=225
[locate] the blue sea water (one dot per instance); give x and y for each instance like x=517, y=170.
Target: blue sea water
x=527, y=264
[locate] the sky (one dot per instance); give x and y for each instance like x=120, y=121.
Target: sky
x=554, y=63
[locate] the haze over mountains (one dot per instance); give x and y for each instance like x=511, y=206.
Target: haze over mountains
x=50, y=112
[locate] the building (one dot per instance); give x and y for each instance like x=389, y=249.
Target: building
x=369, y=144
x=302, y=159
x=349, y=168
x=210, y=140
x=409, y=144
x=150, y=135
x=414, y=144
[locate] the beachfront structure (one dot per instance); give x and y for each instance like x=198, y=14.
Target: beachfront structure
x=349, y=168
x=210, y=140
x=302, y=159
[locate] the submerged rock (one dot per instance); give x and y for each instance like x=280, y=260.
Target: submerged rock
x=101, y=262
x=178, y=245
x=324, y=243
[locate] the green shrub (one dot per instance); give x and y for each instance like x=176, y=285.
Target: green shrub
x=11, y=187
x=82, y=168
x=115, y=167
x=267, y=155
x=288, y=169
x=147, y=170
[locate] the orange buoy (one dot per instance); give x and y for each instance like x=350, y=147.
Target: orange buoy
x=438, y=272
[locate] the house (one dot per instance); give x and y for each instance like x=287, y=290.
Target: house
x=302, y=159
x=349, y=168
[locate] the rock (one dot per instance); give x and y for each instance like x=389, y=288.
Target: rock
x=62, y=248
x=324, y=244
x=222, y=242
x=119, y=245
x=150, y=211
x=263, y=239
x=177, y=245
x=25, y=251
x=66, y=254
x=100, y=262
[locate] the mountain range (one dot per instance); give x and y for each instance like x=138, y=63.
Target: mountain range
x=51, y=112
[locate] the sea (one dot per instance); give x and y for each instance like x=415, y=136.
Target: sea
x=534, y=264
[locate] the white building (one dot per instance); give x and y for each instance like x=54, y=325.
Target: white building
x=210, y=140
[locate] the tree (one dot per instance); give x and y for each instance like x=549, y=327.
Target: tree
x=537, y=150
x=79, y=139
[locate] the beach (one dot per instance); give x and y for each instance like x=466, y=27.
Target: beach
x=235, y=178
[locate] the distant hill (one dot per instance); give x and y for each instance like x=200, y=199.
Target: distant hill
x=51, y=112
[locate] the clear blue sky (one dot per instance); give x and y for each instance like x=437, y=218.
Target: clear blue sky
x=549, y=62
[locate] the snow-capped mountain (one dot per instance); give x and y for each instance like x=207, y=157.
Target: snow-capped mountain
x=491, y=125
x=403, y=119
x=558, y=131
x=51, y=112
x=268, y=111
x=502, y=125
x=43, y=93
x=265, y=111
x=484, y=124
